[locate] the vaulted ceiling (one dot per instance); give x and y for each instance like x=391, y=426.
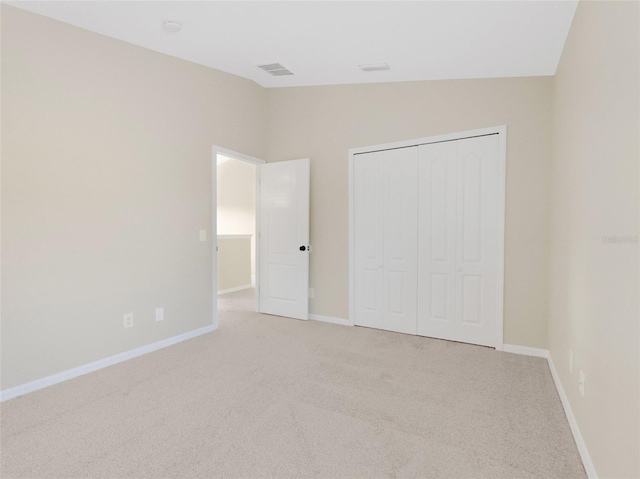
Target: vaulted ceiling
x=325, y=42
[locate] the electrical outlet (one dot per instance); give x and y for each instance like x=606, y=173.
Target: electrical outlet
x=128, y=320
x=571, y=360
x=311, y=293
x=159, y=314
x=582, y=379
x=203, y=235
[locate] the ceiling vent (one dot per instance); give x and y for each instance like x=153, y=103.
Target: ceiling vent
x=275, y=69
x=374, y=67
x=171, y=27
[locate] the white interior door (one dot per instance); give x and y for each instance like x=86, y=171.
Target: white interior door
x=284, y=238
x=457, y=279
x=386, y=239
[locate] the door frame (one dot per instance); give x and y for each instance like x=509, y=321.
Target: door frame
x=501, y=131
x=215, y=151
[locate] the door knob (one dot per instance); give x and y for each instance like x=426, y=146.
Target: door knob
x=303, y=248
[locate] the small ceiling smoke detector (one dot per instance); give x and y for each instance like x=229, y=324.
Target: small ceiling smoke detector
x=374, y=67
x=171, y=27
x=275, y=69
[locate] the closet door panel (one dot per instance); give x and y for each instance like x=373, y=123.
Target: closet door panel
x=400, y=171
x=369, y=240
x=476, y=245
x=436, y=250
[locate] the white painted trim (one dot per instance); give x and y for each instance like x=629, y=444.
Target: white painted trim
x=525, y=350
x=573, y=424
x=233, y=290
x=575, y=429
x=255, y=279
x=214, y=233
x=501, y=217
x=214, y=170
x=100, y=364
x=502, y=161
x=235, y=155
x=459, y=135
x=330, y=319
x=352, y=243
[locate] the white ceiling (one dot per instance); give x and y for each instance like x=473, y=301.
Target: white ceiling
x=324, y=42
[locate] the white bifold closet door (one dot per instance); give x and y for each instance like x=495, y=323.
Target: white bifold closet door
x=386, y=239
x=457, y=273
x=425, y=233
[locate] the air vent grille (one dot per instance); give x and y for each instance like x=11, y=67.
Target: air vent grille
x=275, y=69
x=374, y=67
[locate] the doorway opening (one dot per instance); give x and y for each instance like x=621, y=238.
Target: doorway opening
x=273, y=238
x=235, y=223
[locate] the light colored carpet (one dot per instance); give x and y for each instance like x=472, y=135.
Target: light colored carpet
x=273, y=397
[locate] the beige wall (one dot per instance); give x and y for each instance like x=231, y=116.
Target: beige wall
x=234, y=262
x=236, y=194
x=106, y=180
x=324, y=122
x=595, y=285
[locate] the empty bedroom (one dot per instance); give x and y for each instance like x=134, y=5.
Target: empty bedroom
x=332, y=239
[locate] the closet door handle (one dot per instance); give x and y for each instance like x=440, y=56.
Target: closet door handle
x=459, y=268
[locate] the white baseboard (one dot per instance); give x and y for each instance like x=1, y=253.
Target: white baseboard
x=233, y=290
x=577, y=435
x=525, y=350
x=330, y=319
x=575, y=430
x=100, y=364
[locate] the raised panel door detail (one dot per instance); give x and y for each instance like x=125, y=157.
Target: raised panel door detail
x=472, y=208
x=369, y=215
x=439, y=295
x=396, y=293
x=438, y=206
x=280, y=189
x=370, y=290
x=283, y=282
x=471, y=299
